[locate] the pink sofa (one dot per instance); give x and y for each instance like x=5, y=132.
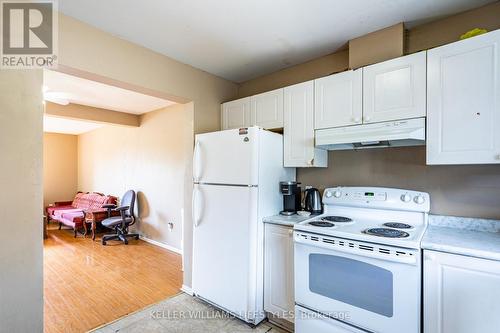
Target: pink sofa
x=72, y=213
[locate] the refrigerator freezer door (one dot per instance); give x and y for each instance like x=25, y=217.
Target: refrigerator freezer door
x=227, y=157
x=225, y=248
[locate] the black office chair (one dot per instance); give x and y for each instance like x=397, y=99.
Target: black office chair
x=121, y=223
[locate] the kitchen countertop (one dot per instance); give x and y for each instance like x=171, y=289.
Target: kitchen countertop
x=285, y=220
x=466, y=236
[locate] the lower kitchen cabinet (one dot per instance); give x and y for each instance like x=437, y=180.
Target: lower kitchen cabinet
x=461, y=294
x=278, y=271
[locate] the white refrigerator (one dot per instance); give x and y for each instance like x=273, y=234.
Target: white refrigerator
x=236, y=183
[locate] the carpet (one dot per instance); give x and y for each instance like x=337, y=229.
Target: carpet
x=183, y=314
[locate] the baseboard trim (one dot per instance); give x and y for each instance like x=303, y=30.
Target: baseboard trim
x=187, y=290
x=165, y=246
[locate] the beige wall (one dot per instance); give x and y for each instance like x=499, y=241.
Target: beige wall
x=455, y=190
x=93, y=54
x=333, y=63
x=21, y=280
x=153, y=159
x=449, y=29
x=60, y=167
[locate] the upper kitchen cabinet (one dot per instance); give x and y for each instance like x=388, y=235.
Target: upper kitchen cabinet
x=267, y=109
x=236, y=114
x=395, y=89
x=338, y=100
x=463, y=106
x=299, y=128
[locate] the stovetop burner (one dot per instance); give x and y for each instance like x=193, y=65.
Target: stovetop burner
x=386, y=232
x=397, y=225
x=321, y=224
x=338, y=219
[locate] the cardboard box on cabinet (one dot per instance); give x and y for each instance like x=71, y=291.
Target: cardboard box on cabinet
x=378, y=46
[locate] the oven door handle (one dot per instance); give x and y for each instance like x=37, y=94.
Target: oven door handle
x=406, y=259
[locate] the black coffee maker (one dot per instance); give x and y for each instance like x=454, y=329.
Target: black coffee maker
x=291, y=197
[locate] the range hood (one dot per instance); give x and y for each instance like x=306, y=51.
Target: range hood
x=410, y=132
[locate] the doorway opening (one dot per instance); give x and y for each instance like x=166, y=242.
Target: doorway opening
x=101, y=141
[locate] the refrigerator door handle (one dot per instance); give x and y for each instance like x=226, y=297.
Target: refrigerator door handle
x=196, y=207
x=196, y=162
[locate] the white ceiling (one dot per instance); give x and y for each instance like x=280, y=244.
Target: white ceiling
x=86, y=92
x=243, y=39
x=68, y=126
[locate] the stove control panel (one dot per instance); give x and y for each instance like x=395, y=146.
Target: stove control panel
x=378, y=197
x=355, y=195
x=370, y=195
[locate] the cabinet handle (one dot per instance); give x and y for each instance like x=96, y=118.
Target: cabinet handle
x=290, y=232
x=356, y=119
x=196, y=161
x=497, y=157
x=195, y=209
x=429, y=256
x=366, y=118
x=311, y=161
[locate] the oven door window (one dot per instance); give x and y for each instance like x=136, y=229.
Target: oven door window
x=353, y=282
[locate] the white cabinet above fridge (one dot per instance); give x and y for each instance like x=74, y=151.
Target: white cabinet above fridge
x=236, y=114
x=267, y=109
x=264, y=110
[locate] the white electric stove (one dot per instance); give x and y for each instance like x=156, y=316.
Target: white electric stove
x=358, y=265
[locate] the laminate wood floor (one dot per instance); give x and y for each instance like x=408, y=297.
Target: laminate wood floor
x=87, y=285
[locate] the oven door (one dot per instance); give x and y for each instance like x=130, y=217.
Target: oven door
x=307, y=321
x=374, y=287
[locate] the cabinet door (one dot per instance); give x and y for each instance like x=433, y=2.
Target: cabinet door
x=460, y=294
x=267, y=109
x=278, y=271
x=236, y=114
x=338, y=99
x=463, y=110
x=299, y=128
x=395, y=89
